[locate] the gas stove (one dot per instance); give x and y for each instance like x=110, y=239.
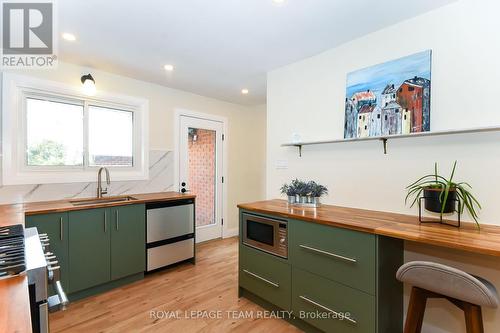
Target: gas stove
x=12, y=256
x=24, y=251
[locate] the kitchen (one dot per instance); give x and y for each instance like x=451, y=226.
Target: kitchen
x=277, y=113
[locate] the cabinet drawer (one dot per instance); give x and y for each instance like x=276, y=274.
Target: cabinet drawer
x=266, y=276
x=342, y=255
x=331, y=306
x=164, y=255
x=169, y=222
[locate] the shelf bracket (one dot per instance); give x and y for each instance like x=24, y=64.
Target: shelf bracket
x=384, y=142
x=300, y=149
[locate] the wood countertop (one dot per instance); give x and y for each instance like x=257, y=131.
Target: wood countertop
x=14, y=297
x=406, y=227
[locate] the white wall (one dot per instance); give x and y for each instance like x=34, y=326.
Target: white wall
x=246, y=132
x=307, y=97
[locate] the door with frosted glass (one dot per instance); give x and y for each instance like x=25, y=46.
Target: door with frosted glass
x=200, y=172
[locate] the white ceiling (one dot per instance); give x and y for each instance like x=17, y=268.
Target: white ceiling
x=217, y=47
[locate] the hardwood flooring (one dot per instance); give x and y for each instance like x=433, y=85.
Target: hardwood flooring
x=211, y=285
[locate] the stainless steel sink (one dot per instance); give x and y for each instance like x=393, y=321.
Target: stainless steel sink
x=95, y=201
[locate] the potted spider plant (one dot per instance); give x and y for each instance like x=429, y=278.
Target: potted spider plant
x=441, y=194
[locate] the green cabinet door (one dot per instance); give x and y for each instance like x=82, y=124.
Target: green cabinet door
x=89, y=248
x=128, y=240
x=56, y=227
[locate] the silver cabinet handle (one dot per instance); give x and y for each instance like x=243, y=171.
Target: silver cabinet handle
x=276, y=285
x=61, y=228
x=335, y=313
x=328, y=253
x=117, y=220
x=105, y=224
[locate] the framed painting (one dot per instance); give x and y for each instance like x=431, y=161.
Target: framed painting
x=390, y=98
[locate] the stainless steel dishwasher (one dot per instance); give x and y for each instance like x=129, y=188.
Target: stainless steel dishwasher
x=170, y=234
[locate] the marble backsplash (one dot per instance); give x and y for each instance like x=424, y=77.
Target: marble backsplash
x=161, y=178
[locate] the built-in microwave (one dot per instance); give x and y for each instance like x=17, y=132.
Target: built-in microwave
x=266, y=234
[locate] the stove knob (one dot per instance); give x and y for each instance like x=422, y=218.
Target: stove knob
x=52, y=263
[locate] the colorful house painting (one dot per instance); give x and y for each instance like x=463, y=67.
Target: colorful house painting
x=390, y=98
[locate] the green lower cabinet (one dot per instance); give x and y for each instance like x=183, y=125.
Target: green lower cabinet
x=128, y=240
x=89, y=248
x=342, y=255
x=265, y=275
x=105, y=244
x=331, y=306
x=56, y=227
x=334, y=280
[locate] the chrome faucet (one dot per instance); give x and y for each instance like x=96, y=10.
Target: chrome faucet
x=100, y=190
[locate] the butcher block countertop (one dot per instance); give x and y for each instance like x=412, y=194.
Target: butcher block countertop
x=14, y=297
x=406, y=227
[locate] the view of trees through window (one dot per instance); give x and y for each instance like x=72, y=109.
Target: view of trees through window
x=55, y=134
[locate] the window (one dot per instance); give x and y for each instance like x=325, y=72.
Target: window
x=55, y=134
x=410, y=88
x=378, y=116
x=110, y=137
x=385, y=117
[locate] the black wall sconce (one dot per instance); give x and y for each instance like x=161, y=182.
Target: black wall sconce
x=88, y=83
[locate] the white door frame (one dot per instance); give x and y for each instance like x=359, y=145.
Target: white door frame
x=226, y=232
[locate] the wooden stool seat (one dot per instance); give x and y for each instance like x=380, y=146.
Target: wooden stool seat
x=433, y=280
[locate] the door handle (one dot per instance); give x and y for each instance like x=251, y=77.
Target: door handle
x=61, y=228
x=117, y=218
x=327, y=309
x=276, y=285
x=333, y=255
x=105, y=224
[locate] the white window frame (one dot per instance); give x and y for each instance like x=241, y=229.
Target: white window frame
x=15, y=171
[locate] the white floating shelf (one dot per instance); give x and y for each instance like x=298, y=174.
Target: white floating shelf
x=390, y=137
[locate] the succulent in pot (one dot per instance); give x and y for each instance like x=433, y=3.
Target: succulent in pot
x=441, y=194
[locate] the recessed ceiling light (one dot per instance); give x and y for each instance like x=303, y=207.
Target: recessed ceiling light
x=169, y=67
x=279, y=2
x=244, y=91
x=69, y=37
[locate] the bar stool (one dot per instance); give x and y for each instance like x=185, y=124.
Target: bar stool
x=433, y=280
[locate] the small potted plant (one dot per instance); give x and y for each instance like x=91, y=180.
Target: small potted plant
x=317, y=191
x=290, y=192
x=303, y=190
x=441, y=194
x=304, y=193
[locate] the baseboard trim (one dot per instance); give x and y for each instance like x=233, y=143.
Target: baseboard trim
x=228, y=233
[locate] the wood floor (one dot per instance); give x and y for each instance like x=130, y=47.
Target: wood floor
x=210, y=285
